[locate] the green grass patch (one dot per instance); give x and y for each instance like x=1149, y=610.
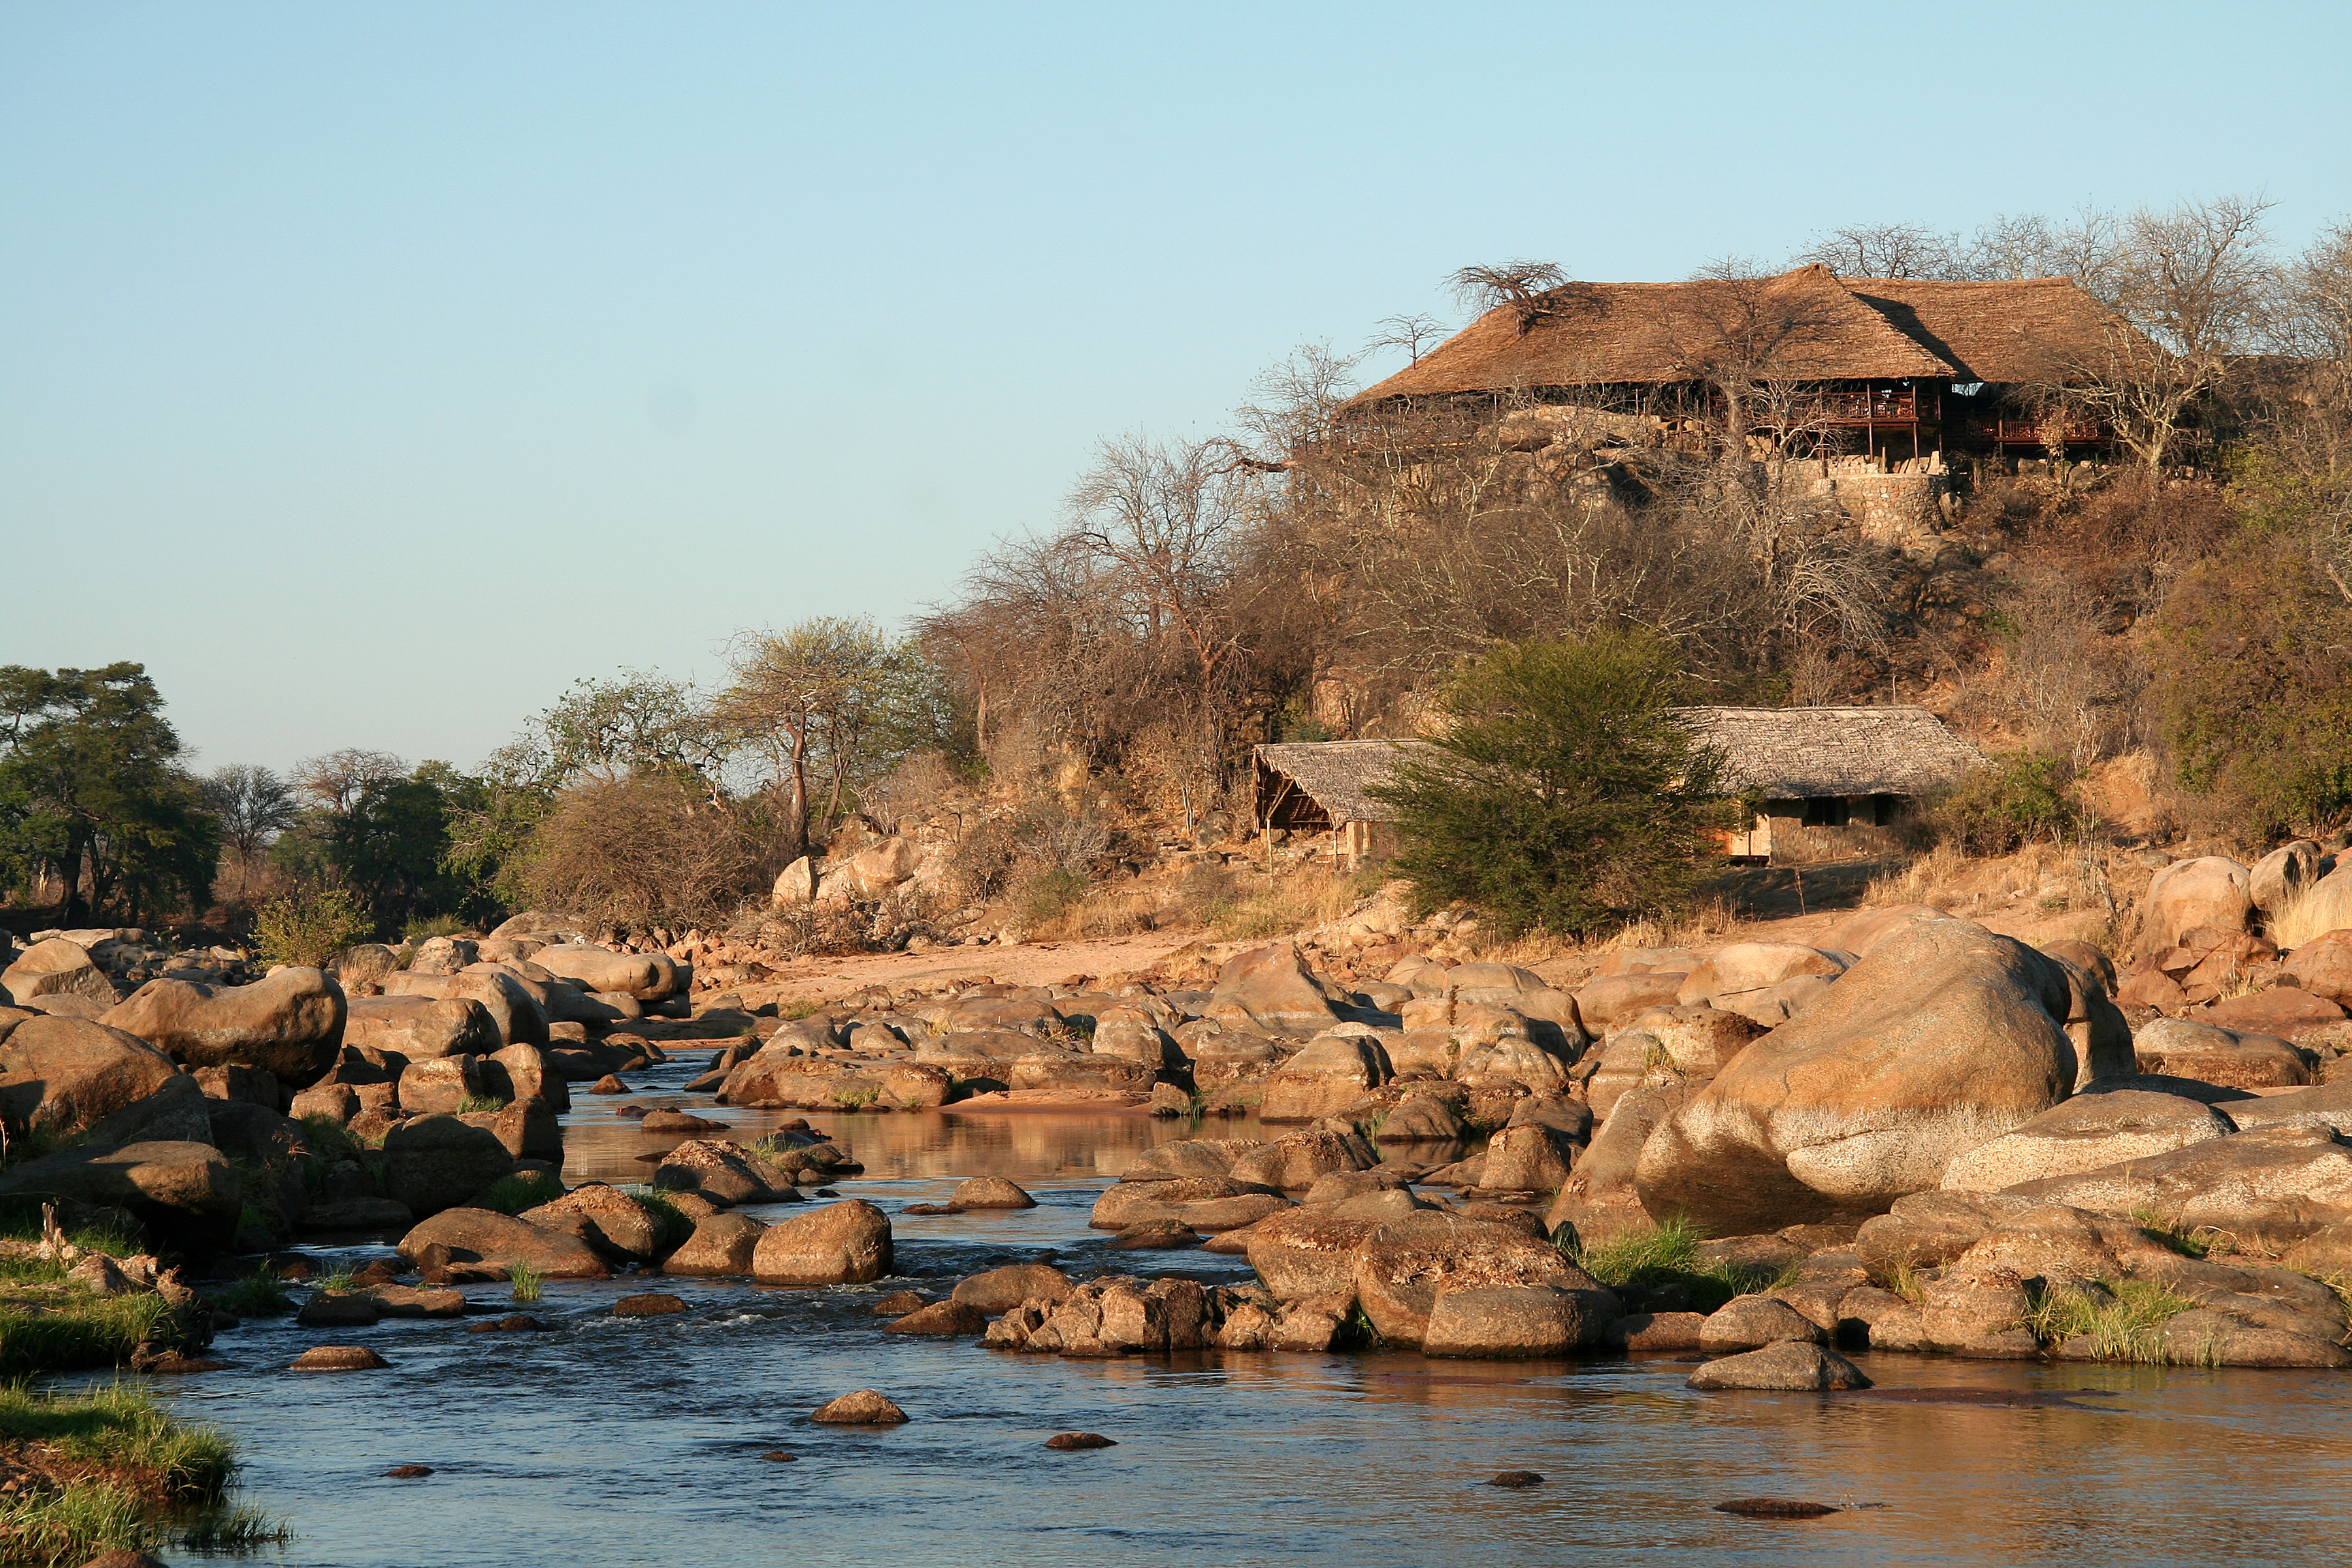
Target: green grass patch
x=118, y=1424
x=526, y=1281
x=2199, y=1241
x=675, y=1225
x=63, y=1327
x=1670, y=1256
x=524, y=1190
x=2125, y=1325
x=475, y=1103
x=153, y=1470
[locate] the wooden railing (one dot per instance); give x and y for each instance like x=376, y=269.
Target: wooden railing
x=2048, y=432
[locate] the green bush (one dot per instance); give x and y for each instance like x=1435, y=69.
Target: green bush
x=309, y=926
x=1564, y=794
x=2017, y=798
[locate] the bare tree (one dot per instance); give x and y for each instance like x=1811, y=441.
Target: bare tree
x=335, y=781
x=2189, y=288
x=1406, y=333
x=1886, y=250
x=1519, y=284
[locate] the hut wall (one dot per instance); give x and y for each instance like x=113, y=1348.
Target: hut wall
x=1808, y=832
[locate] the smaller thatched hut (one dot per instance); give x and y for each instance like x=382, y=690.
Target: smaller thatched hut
x=1832, y=782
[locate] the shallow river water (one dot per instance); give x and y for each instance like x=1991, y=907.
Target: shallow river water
x=624, y=1442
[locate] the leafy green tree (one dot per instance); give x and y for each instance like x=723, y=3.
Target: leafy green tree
x=835, y=703
x=1564, y=794
x=93, y=794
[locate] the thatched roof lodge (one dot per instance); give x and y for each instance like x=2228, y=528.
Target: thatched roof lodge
x=1832, y=782
x=1911, y=365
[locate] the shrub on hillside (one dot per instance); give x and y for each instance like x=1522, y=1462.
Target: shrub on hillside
x=640, y=852
x=308, y=925
x=1564, y=794
x=2018, y=798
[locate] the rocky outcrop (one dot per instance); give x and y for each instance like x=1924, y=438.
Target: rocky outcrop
x=55, y=968
x=485, y=1235
x=2085, y=1133
x=186, y=1192
x=433, y=1163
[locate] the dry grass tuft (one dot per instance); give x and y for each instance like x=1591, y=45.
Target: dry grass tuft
x=2311, y=912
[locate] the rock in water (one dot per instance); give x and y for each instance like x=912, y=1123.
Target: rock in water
x=1067, y=1441
x=1773, y=1508
x=1943, y=1036
x=339, y=1358
x=1517, y=1478
x=942, y=1319
x=844, y=1243
x=867, y=1407
x=990, y=1192
x=407, y=1472
x=651, y=1304
x=1786, y=1367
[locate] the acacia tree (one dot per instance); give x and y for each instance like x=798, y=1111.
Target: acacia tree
x=92, y=793
x=835, y=702
x=252, y=806
x=1562, y=795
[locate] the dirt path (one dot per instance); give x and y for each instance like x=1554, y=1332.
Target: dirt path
x=1029, y=964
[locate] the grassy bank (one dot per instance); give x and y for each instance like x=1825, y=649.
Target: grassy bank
x=110, y=1468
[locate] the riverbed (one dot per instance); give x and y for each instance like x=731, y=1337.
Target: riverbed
x=613, y=1443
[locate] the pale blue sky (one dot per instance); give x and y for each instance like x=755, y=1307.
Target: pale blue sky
x=370, y=372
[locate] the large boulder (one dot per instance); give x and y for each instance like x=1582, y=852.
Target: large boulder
x=435, y=1163
x=421, y=1027
x=2211, y=890
x=1746, y=968
x=1516, y=1321
x=486, y=1236
x=442, y=1086
x=843, y=1243
x=187, y=1192
x=2084, y=1133
x=2282, y=873
x=1197, y=1203
x=1296, y=1162
x=607, y=1219
x=1307, y=1252
x=1270, y=989
x=722, y=1244
x=2178, y=1047
x=291, y=1023
x=55, y=968
x=722, y=1172
x=1945, y=1036
x=2321, y=966
x=1330, y=1075
x=645, y=976
x=68, y=1073
x=1606, y=1000
x=1400, y=1269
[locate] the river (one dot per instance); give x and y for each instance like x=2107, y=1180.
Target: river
x=613, y=1443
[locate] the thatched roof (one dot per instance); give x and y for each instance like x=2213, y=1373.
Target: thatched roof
x=1804, y=325
x=2021, y=331
x=1334, y=774
x=1798, y=754
x=1775, y=753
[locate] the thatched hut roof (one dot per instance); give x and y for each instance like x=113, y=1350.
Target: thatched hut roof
x=1800, y=753
x=1334, y=774
x=1774, y=753
x=1805, y=325
x=2027, y=330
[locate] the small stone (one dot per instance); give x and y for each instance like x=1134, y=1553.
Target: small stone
x=777, y=1456
x=677, y=1121
x=608, y=1084
x=407, y=1472
x=1517, y=1478
x=172, y=1363
x=513, y=1322
x=898, y=1303
x=1773, y=1508
x=339, y=1358
x=1065, y=1441
x=867, y=1407
x=652, y=1304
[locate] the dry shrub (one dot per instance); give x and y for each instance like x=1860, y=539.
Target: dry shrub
x=1245, y=908
x=645, y=851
